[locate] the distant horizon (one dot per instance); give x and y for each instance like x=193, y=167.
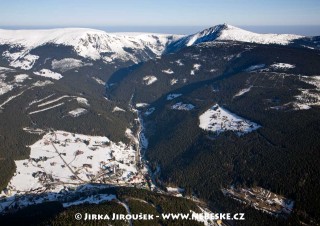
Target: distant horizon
x=305, y=30
x=285, y=16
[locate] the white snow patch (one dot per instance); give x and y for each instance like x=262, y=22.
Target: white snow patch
x=141, y=105
x=82, y=100
x=42, y=83
x=53, y=101
x=179, y=62
x=94, y=199
x=168, y=71
x=173, y=81
x=66, y=64
x=5, y=69
x=78, y=112
x=99, y=81
x=20, y=60
x=4, y=87
x=118, y=109
x=49, y=74
x=242, y=91
x=282, y=66
x=46, y=109
x=148, y=80
x=219, y=120
x=20, y=78
x=182, y=107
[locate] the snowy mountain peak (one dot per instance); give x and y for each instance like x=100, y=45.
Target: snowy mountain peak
x=230, y=33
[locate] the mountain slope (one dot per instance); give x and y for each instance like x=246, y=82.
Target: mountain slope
x=87, y=43
x=227, y=32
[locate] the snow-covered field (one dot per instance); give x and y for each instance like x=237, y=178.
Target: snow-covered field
x=141, y=105
x=66, y=64
x=150, y=79
x=78, y=112
x=182, y=107
x=82, y=100
x=179, y=62
x=61, y=159
x=99, y=81
x=4, y=86
x=20, y=60
x=282, y=66
x=219, y=120
x=173, y=81
x=118, y=109
x=168, y=71
x=242, y=91
x=20, y=78
x=49, y=74
x=196, y=67
x=307, y=97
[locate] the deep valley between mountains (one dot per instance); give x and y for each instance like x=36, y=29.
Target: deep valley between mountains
x=224, y=120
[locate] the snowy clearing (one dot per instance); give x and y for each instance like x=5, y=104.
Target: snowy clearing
x=242, y=91
x=20, y=78
x=67, y=64
x=150, y=79
x=62, y=159
x=99, y=81
x=118, y=109
x=19, y=60
x=141, y=105
x=168, y=71
x=77, y=112
x=42, y=83
x=196, y=67
x=48, y=74
x=179, y=62
x=173, y=81
x=282, y=66
x=182, y=107
x=219, y=120
x=82, y=100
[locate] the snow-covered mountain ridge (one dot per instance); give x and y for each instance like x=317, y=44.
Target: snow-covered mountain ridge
x=136, y=47
x=88, y=43
x=225, y=32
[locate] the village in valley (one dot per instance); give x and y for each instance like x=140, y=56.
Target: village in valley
x=62, y=161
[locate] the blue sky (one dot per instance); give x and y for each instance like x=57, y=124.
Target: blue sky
x=150, y=13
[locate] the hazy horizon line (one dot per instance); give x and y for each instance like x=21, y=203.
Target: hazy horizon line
x=308, y=30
